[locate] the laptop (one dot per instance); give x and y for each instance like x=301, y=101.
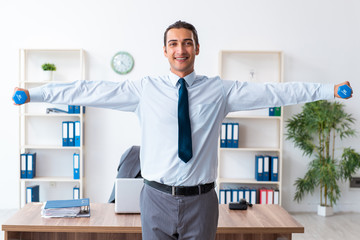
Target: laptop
x=127, y=195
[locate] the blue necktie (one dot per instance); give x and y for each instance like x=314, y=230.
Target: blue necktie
x=185, y=144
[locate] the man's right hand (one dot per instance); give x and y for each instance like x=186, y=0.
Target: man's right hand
x=26, y=92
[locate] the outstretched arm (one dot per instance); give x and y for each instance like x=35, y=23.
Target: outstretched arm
x=123, y=96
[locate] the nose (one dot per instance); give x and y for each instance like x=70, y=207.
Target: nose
x=180, y=49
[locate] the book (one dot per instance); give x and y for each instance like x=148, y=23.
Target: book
x=66, y=208
x=32, y=194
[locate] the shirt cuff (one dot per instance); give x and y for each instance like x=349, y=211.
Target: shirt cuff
x=327, y=91
x=36, y=94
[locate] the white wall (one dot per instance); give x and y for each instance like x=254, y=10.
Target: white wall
x=319, y=39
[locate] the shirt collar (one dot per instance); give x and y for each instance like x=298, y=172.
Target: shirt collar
x=190, y=78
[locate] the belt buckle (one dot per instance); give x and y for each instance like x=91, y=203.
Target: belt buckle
x=173, y=191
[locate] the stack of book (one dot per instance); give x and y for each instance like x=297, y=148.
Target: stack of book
x=66, y=208
x=251, y=195
x=28, y=165
x=267, y=168
x=71, y=133
x=229, y=135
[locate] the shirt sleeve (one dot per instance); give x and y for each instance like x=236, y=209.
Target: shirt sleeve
x=124, y=96
x=249, y=96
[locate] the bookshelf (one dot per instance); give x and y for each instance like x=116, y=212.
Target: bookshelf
x=41, y=133
x=259, y=133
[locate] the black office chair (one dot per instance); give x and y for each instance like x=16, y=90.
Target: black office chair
x=129, y=167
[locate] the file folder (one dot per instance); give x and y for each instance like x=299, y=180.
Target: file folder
x=235, y=195
x=277, y=111
x=271, y=111
x=77, y=109
x=23, y=165
x=235, y=140
x=228, y=196
x=32, y=194
x=241, y=194
x=85, y=202
x=253, y=196
x=259, y=167
x=71, y=109
x=266, y=176
x=65, y=134
x=223, y=138
x=263, y=196
x=222, y=197
x=31, y=165
x=76, y=193
x=276, y=196
x=270, y=196
x=76, y=163
x=247, y=195
x=67, y=208
x=77, y=133
x=274, y=169
x=71, y=133
x=229, y=135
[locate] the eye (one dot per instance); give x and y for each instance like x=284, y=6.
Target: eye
x=172, y=44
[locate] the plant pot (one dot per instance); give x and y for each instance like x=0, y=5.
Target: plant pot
x=48, y=75
x=325, y=211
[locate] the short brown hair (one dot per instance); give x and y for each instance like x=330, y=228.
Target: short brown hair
x=182, y=24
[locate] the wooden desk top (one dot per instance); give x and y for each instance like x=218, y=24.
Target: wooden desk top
x=258, y=219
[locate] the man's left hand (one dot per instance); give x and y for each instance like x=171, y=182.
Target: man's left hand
x=337, y=87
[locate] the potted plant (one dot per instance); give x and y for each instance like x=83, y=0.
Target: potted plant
x=315, y=131
x=48, y=68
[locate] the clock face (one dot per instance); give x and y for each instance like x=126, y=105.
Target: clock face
x=122, y=63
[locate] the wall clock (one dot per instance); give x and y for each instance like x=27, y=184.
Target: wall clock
x=122, y=62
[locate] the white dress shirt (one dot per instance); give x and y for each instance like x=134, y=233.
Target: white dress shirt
x=155, y=102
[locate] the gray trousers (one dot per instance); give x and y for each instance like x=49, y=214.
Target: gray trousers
x=164, y=216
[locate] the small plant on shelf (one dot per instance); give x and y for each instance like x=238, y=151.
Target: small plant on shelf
x=48, y=67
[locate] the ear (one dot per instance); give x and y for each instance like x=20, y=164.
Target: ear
x=197, y=51
x=165, y=52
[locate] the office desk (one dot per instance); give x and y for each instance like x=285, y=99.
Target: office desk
x=261, y=222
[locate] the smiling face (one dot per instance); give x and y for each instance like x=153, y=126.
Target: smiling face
x=181, y=50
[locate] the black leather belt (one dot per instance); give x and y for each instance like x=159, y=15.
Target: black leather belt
x=181, y=190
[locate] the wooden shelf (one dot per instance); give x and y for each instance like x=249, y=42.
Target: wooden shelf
x=55, y=50
x=50, y=147
x=51, y=115
x=238, y=116
x=43, y=82
x=50, y=179
x=246, y=181
x=256, y=127
x=40, y=132
x=250, y=149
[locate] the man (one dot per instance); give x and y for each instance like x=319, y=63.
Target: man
x=180, y=117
